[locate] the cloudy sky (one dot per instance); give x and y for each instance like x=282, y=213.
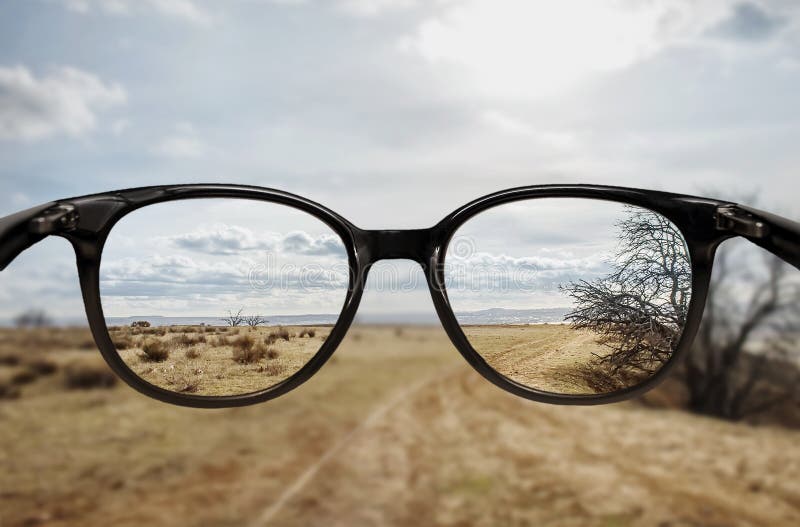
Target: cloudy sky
x=391, y=112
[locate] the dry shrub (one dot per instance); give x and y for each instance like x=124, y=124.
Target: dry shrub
x=188, y=386
x=272, y=368
x=8, y=391
x=245, y=341
x=603, y=378
x=86, y=344
x=270, y=339
x=42, y=366
x=87, y=375
x=281, y=333
x=250, y=353
x=308, y=332
x=186, y=339
x=185, y=382
x=9, y=359
x=155, y=350
x=192, y=353
x=123, y=343
x=23, y=377
x=219, y=341
x=272, y=353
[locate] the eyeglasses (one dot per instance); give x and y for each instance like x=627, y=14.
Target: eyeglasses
x=224, y=295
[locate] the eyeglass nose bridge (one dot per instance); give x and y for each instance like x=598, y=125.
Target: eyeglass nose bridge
x=411, y=244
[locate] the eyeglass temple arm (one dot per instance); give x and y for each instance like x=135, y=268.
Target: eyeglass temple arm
x=28, y=227
x=776, y=234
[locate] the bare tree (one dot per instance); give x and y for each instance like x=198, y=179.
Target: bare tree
x=744, y=360
x=254, y=320
x=640, y=308
x=234, y=319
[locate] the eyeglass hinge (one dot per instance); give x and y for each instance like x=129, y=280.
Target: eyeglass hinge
x=60, y=218
x=732, y=218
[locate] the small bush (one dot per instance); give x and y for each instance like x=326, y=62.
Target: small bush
x=42, y=366
x=192, y=353
x=85, y=375
x=281, y=333
x=9, y=359
x=23, y=377
x=270, y=339
x=123, y=343
x=272, y=368
x=7, y=391
x=219, y=341
x=272, y=353
x=251, y=354
x=87, y=344
x=140, y=324
x=243, y=342
x=308, y=332
x=186, y=339
x=155, y=351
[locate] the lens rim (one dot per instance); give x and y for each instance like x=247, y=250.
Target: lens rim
x=701, y=243
x=457, y=232
x=697, y=219
x=112, y=209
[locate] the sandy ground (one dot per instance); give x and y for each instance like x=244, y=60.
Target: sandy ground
x=396, y=430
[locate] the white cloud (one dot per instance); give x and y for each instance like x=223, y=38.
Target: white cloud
x=183, y=143
x=374, y=7
x=119, y=126
x=187, y=10
x=65, y=101
x=514, y=126
x=527, y=48
x=224, y=239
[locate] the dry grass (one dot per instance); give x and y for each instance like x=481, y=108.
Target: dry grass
x=251, y=353
x=154, y=350
x=88, y=374
x=212, y=363
x=452, y=450
x=550, y=357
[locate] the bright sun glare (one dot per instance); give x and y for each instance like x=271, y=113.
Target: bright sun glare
x=531, y=47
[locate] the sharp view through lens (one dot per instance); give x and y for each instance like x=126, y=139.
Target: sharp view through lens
x=584, y=313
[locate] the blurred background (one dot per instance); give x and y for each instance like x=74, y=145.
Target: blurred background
x=393, y=113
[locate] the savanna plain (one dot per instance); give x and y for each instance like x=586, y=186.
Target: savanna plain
x=396, y=429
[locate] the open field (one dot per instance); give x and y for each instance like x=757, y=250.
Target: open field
x=395, y=430
x=207, y=360
x=553, y=358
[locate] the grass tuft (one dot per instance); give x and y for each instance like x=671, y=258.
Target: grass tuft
x=85, y=375
x=155, y=351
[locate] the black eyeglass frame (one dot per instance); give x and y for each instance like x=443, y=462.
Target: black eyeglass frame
x=86, y=221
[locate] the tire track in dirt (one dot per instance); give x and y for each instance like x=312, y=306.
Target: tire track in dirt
x=539, y=465
x=374, y=417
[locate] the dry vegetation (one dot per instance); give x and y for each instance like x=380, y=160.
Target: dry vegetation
x=209, y=360
x=395, y=430
x=553, y=358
